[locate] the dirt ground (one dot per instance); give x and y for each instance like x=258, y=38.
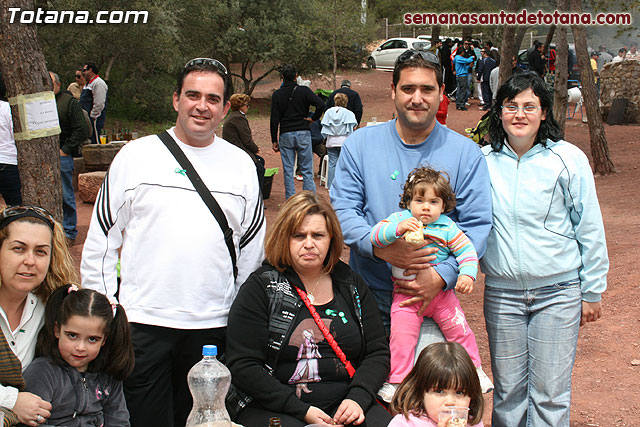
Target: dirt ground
x=607, y=372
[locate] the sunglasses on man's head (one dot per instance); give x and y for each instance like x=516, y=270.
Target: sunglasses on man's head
x=207, y=61
x=415, y=53
x=85, y=69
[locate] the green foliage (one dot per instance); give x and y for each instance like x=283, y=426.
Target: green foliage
x=140, y=61
x=337, y=27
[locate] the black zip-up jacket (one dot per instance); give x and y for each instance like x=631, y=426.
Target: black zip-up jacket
x=290, y=115
x=248, y=342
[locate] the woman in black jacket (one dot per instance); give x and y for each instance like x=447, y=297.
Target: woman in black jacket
x=276, y=352
x=236, y=130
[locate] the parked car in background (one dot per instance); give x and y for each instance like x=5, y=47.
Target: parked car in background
x=385, y=55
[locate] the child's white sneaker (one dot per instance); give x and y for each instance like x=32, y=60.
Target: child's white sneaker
x=485, y=382
x=387, y=391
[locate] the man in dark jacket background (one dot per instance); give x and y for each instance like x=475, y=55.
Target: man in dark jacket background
x=354, y=104
x=534, y=57
x=74, y=132
x=289, y=112
x=485, y=66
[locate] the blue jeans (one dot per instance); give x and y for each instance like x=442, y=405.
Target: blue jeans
x=291, y=143
x=334, y=153
x=10, y=184
x=69, y=217
x=463, y=91
x=533, y=336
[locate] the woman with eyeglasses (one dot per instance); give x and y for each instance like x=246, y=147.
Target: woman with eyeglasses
x=34, y=261
x=546, y=261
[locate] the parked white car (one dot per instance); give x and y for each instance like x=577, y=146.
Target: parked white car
x=385, y=55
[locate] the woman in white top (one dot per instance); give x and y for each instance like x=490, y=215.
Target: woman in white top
x=34, y=261
x=337, y=124
x=9, y=176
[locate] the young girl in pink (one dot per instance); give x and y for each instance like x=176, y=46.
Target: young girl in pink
x=427, y=196
x=443, y=376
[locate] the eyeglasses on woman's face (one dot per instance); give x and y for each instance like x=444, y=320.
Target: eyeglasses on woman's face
x=513, y=109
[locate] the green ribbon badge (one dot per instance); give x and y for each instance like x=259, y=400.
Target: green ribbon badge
x=182, y=172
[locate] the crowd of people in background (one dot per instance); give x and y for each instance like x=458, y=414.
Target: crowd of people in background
x=177, y=255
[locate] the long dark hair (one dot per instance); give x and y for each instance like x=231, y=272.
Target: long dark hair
x=441, y=365
x=519, y=82
x=116, y=355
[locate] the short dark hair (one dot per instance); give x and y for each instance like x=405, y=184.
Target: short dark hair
x=417, y=62
x=440, y=366
x=488, y=43
x=289, y=72
x=519, y=82
x=116, y=355
x=93, y=66
x=203, y=67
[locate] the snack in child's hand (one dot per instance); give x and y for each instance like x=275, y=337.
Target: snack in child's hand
x=457, y=422
x=414, y=237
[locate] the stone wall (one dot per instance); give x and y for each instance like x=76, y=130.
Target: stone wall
x=98, y=157
x=621, y=80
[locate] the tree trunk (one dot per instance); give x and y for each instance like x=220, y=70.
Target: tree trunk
x=334, y=50
x=435, y=34
x=599, y=149
x=547, y=41
x=25, y=72
x=507, y=47
x=562, y=73
x=109, y=66
x=467, y=31
x=522, y=30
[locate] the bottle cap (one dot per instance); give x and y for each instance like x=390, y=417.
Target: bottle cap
x=209, y=350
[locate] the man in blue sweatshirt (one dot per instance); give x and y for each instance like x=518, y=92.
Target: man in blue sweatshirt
x=462, y=64
x=376, y=160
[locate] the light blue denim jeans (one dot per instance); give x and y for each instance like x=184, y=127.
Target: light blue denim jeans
x=533, y=336
x=291, y=143
x=333, y=153
x=69, y=216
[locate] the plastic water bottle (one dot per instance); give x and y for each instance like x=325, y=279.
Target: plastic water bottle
x=209, y=382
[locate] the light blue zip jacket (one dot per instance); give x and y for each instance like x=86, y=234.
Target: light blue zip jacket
x=547, y=225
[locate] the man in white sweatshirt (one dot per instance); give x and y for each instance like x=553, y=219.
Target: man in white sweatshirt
x=93, y=99
x=177, y=276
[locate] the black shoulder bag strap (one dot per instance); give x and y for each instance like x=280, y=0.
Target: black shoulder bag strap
x=204, y=193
